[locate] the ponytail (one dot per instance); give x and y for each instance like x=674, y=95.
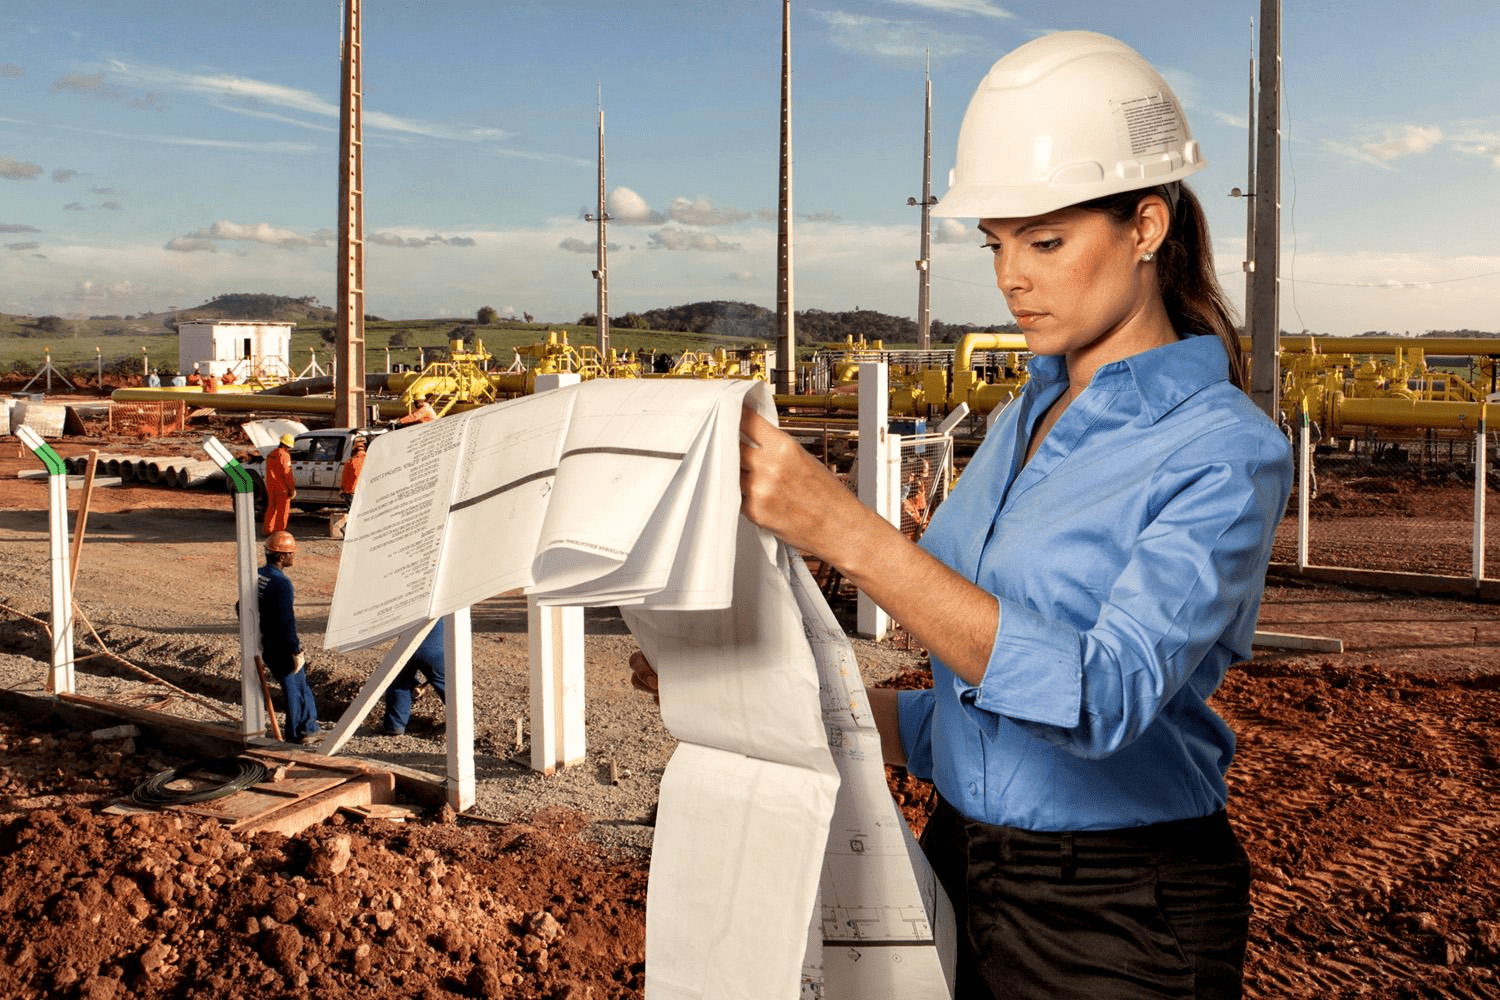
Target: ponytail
x=1189, y=289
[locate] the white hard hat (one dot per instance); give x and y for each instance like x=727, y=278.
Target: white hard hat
x=1064, y=119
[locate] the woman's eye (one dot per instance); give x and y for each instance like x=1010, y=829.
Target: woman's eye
x=991, y=247
x=1046, y=246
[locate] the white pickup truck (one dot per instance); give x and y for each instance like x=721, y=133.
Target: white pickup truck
x=318, y=460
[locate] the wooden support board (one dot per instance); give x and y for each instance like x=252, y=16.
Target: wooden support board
x=298, y=791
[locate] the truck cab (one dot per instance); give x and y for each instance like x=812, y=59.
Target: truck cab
x=318, y=460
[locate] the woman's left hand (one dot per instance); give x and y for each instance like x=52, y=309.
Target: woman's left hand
x=790, y=493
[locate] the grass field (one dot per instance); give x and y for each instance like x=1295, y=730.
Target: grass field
x=128, y=346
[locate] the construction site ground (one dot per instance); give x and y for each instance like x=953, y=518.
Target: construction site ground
x=1364, y=789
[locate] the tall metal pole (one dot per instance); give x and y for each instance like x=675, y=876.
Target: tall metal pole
x=1249, y=262
x=1265, y=348
x=349, y=374
x=924, y=262
x=786, y=327
x=601, y=272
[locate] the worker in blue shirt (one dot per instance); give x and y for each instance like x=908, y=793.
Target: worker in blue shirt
x=281, y=647
x=1098, y=566
x=423, y=668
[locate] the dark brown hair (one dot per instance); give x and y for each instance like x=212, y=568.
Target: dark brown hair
x=1184, y=268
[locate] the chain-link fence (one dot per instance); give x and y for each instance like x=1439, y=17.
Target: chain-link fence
x=1395, y=501
x=154, y=418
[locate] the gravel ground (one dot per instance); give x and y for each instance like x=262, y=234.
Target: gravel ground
x=156, y=589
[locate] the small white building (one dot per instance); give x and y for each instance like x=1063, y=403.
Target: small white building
x=250, y=348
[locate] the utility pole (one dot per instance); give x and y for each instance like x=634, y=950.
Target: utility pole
x=349, y=376
x=601, y=270
x=1249, y=195
x=924, y=259
x=1265, y=298
x=786, y=324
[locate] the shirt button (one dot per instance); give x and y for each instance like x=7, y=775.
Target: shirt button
x=973, y=790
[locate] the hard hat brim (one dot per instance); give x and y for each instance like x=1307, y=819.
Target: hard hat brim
x=1000, y=201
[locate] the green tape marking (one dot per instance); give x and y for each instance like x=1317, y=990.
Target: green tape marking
x=238, y=477
x=53, y=462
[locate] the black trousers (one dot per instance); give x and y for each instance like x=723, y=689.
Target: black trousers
x=1150, y=912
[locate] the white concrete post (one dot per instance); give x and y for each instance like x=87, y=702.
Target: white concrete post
x=557, y=686
x=60, y=678
x=874, y=476
x=1481, y=491
x=458, y=711
x=556, y=650
x=1304, y=484
x=253, y=719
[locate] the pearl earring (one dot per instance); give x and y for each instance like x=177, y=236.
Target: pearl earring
x=1148, y=256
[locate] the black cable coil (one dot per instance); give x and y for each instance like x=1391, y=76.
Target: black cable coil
x=238, y=772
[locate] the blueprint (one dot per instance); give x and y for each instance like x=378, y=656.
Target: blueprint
x=781, y=868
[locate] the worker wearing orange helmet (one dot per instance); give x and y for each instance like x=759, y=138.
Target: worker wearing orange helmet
x=280, y=487
x=281, y=647
x=352, y=469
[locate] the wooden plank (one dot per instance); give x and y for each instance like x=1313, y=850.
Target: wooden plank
x=1290, y=640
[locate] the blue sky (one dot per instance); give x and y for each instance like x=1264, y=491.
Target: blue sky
x=156, y=153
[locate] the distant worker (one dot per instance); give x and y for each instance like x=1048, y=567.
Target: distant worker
x=210, y=383
x=281, y=647
x=281, y=489
x=424, y=668
x=421, y=411
x=194, y=378
x=153, y=381
x=352, y=469
x=229, y=377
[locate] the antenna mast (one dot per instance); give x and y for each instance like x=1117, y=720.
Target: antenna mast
x=601, y=272
x=349, y=370
x=924, y=261
x=786, y=325
x=1265, y=338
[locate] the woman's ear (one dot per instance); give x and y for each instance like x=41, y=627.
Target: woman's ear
x=1152, y=220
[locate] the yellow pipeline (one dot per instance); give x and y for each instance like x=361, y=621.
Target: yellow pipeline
x=249, y=401
x=1396, y=411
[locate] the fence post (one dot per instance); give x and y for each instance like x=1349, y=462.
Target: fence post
x=1304, y=483
x=1481, y=488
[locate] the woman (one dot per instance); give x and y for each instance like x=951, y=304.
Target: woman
x=1097, y=568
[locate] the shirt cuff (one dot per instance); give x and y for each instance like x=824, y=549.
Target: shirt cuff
x=1035, y=671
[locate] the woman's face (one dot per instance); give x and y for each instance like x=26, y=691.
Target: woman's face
x=1075, y=281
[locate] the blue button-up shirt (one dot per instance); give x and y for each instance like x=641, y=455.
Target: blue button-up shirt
x=1128, y=557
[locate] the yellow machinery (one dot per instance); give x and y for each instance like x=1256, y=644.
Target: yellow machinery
x=1385, y=382
x=460, y=381
x=1345, y=382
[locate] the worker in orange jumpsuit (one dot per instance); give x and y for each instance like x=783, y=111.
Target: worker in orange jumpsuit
x=352, y=469
x=421, y=412
x=229, y=377
x=280, y=487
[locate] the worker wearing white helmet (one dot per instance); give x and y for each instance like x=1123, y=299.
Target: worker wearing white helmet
x=1098, y=566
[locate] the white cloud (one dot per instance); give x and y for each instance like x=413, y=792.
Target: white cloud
x=18, y=170
x=257, y=232
x=1410, y=140
x=630, y=209
x=972, y=8
x=896, y=40
x=701, y=211
x=670, y=238
x=249, y=96
x=955, y=231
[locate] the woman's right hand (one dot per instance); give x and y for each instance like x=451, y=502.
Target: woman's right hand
x=643, y=675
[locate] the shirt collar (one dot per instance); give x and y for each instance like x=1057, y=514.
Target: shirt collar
x=1163, y=377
